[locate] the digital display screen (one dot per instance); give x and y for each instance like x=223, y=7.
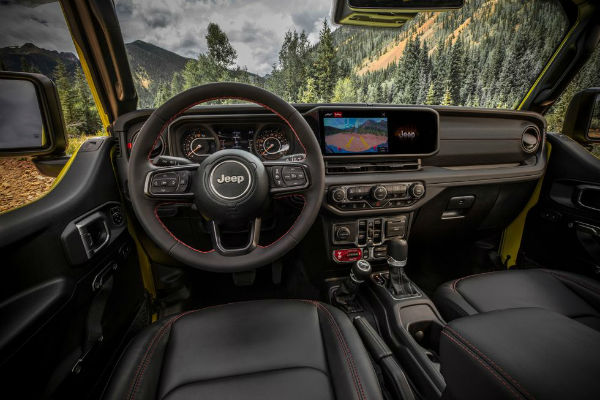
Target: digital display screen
x=355, y=135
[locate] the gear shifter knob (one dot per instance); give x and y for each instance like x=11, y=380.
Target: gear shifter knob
x=397, y=251
x=360, y=270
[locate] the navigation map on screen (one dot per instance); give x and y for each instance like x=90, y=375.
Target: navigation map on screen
x=356, y=135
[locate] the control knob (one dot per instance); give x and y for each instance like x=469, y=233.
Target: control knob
x=379, y=192
x=417, y=190
x=342, y=233
x=338, y=195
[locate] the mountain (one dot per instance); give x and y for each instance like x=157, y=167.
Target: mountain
x=156, y=63
x=31, y=58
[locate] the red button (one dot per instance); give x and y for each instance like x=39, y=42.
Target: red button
x=347, y=255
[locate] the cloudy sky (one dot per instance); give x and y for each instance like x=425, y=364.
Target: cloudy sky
x=255, y=27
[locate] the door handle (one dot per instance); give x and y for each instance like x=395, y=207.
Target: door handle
x=591, y=230
x=588, y=196
x=94, y=233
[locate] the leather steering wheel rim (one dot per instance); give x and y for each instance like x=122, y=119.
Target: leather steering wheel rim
x=145, y=208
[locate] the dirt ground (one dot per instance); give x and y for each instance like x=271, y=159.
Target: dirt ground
x=20, y=183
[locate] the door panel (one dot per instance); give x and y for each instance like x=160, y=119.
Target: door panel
x=563, y=230
x=61, y=301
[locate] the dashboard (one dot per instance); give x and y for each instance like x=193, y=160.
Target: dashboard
x=343, y=132
x=389, y=170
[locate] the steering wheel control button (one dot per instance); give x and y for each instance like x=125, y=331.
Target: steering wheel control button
x=293, y=176
x=347, y=255
x=164, y=183
x=230, y=179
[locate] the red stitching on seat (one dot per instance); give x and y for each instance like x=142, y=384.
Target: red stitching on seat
x=506, y=374
x=455, y=282
x=146, y=360
x=348, y=354
x=475, y=357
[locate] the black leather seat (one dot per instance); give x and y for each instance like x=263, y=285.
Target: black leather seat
x=571, y=295
x=524, y=353
x=272, y=349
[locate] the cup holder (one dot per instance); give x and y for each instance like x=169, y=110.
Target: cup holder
x=427, y=335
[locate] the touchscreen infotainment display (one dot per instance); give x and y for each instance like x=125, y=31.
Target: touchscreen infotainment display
x=355, y=135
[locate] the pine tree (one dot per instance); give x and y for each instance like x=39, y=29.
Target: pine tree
x=431, y=97
x=67, y=96
x=447, y=100
x=324, y=68
x=88, y=120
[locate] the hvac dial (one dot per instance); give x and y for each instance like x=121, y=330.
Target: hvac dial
x=271, y=143
x=196, y=143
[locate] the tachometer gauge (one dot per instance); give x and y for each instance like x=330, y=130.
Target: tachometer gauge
x=197, y=143
x=271, y=144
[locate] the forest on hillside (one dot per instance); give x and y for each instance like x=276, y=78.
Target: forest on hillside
x=486, y=54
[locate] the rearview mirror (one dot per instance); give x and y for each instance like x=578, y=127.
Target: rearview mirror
x=31, y=120
x=386, y=13
x=582, y=122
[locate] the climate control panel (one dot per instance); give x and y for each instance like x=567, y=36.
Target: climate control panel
x=376, y=196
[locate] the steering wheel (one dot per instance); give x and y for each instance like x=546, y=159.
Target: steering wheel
x=229, y=187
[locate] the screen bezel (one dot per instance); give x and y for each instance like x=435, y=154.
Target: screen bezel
x=391, y=112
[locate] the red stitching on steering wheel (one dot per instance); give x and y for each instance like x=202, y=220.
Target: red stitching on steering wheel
x=221, y=98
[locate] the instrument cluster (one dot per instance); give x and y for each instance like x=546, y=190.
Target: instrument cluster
x=195, y=140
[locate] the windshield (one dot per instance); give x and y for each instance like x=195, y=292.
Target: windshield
x=487, y=54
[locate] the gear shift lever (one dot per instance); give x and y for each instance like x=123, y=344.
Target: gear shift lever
x=344, y=296
x=400, y=285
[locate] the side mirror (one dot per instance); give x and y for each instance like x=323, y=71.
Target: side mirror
x=582, y=122
x=31, y=122
x=386, y=13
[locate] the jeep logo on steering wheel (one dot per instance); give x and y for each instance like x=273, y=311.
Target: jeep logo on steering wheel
x=233, y=179
x=230, y=179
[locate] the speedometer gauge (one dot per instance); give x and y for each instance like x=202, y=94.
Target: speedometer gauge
x=271, y=144
x=196, y=143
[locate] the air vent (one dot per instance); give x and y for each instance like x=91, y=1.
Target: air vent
x=336, y=168
x=531, y=139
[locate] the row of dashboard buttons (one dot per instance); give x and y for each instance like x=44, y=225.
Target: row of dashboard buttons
x=376, y=196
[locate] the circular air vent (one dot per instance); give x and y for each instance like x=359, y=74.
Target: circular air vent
x=530, y=140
